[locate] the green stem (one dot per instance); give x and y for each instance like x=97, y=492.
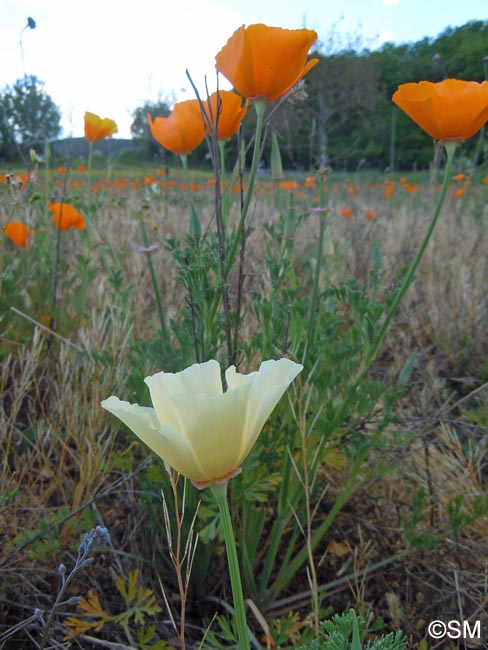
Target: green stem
x=225, y=194
x=372, y=353
x=89, y=167
x=220, y=494
x=195, y=226
x=320, y=253
x=450, y=149
x=301, y=556
x=290, y=568
x=260, y=106
x=162, y=319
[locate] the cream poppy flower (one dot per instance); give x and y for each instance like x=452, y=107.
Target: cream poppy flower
x=198, y=429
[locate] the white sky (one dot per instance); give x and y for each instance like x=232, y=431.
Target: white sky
x=109, y=56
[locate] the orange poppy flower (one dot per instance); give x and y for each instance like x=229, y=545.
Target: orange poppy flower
x=65, y=216
x=346, y=212
x=97, y=128
x=19, y=181
x=389, y=189
x=411, y=188
x=289, y=185
x=370, y=214
x=17, y=232
x=182, y=131
x=231, y=112
x=448, y=110
x=265, y=62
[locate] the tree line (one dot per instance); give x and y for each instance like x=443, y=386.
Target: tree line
x=340, y=116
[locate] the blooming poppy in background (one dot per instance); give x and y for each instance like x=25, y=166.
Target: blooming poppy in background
x=182, y=131
x=289, y=185
x=265, y=62
x=389, y=189
x=97, y=129
x=370, y=214
x=346, y=212
x=410, y=187
x=447, y=110
x=459, y=193
x=19, y=181
x=65, y=216
x=198, y=429
x=231, y=112
x=17, y=232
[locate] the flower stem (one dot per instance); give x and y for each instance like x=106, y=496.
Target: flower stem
x=162, y=319
x=260, y=106
x=220, y=494
x=195, y=225
x=370, y=356
x=225, y=196
x=339, y=415
x=450, y=150
x=318, y=268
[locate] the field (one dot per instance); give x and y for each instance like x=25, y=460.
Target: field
x=367, y=486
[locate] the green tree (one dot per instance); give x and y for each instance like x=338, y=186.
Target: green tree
x=28, y=116
x=464, y=49
x=8, y=148
x=456, y=52
x=345, y=90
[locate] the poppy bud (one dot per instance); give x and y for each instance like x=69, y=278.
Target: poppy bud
x=276, y=164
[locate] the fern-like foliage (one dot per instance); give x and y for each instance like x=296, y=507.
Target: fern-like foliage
x=345, y=631
x=139, y=602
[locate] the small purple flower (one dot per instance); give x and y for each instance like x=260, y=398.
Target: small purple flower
x=96, y=536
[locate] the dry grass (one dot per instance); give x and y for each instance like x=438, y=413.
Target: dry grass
x=59, y=451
